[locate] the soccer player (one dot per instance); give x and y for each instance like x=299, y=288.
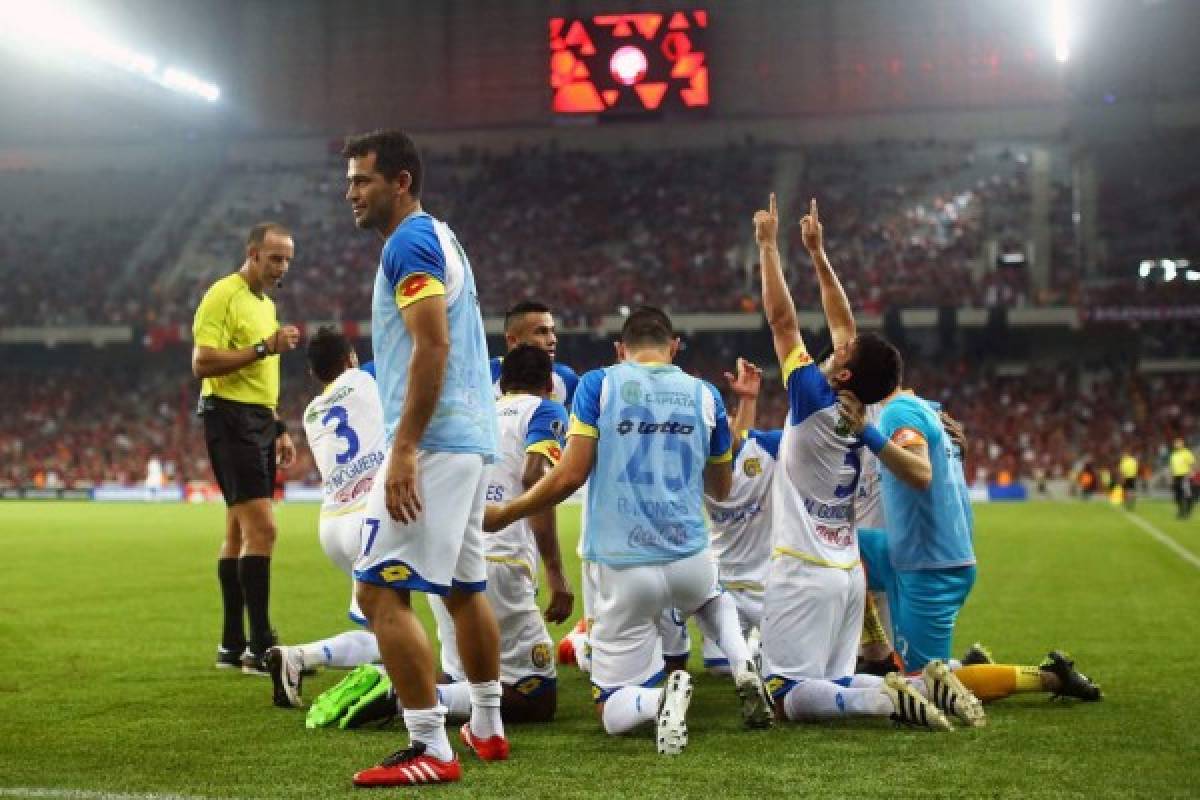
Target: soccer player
x=422, y=523
x=741, y=522
x=237, y=341
x=531, y=322
x=1182, y=464
x=1127, y=468
x=813, y=602
x=652, y=440
x=344, y=428
x=925, y=561
x=532, y=433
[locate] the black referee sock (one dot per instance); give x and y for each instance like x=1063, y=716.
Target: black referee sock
x=255, y=574
x=233, y=634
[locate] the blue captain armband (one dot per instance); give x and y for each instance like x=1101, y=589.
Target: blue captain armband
x=872, y=438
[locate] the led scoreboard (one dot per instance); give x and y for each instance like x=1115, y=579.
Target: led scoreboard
x=629, y=64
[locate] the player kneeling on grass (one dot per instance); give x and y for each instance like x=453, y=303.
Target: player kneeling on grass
x=344, y=428
x=815, y=588
x=653, y=441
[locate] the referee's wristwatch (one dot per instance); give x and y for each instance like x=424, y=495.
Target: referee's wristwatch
x=260, y=350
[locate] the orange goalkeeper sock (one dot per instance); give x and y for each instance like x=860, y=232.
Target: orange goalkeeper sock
x=994, y=681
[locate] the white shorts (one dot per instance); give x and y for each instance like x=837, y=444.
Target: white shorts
x=749, y=604
x=340, y=540
x=626, y=642
x=443, y=547
x=812, y=620
x=672, y=626
x=526, y=649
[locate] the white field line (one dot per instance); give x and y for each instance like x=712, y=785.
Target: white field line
x=1163, y=539
x=85, y=794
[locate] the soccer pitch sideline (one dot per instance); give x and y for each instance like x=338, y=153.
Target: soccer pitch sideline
x=109, y=615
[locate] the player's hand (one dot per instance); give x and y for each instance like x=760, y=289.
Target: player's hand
x=285, y=451
x=852, y=411
x=562, y=599
x=810, y=229
x=284, y=339
x=494, y=518
x=403, y=495
x=766, y=224
x=955, y=430
x=748, y=380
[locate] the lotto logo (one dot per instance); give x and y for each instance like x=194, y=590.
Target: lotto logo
x=392, y=574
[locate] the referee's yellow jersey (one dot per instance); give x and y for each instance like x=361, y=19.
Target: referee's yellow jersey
x=231, y=317
x=1181, y=462
x=1128, y=467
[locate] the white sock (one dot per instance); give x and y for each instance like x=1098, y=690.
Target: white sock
x=954, y=664
x=485, y=709
x=428, y=726
x=718, y=621
x=345, y=650
x=865, y=681
x=381, y=669
x=816, y=700
x=583, y=650
x=456, y=697
x=629, y=707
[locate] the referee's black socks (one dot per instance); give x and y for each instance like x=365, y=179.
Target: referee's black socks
x=233, y=633
x=255, y=575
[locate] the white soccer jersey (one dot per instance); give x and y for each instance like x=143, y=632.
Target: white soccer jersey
x=741, y=524
x=344, y=428
x=525, y=424
x=818, y=472
x=868, y=504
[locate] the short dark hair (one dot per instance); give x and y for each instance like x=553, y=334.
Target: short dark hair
x=875, y=368
x=395, y=152
x=521, y=309
x=327, y=352
x=258, y=233
x=525, y=367
x=647, y=325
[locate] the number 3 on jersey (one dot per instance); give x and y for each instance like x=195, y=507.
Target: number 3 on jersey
x=342, y=431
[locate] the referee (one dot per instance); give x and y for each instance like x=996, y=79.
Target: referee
x=237, y=342
x=1182, y=463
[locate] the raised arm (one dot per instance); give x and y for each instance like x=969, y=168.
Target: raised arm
x=838, y=315
x=777, y=302
x=746, y=385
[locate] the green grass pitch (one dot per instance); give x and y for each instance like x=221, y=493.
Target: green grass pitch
x=109, y=620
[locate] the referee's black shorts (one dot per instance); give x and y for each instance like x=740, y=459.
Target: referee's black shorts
x=241, y=448
x=1130, y=484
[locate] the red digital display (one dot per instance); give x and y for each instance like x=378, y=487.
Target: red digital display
x=629, y=63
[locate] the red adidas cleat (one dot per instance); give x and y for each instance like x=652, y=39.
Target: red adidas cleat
x=566, y=650
x=411, y=767
x=493, y=748
x=566, y=647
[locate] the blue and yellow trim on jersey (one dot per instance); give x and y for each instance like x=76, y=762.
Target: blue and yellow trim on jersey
x=417, y=286
x=796, y=359
x=580, y=428
x=549, y=448
x=808, y=558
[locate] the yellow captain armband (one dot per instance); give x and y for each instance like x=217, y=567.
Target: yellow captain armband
x=796, y=359
x=579, y=428
x=548, y=448
x=417, y=286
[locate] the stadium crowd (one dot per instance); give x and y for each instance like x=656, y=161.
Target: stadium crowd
x=908, y=223
x=73, y=427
